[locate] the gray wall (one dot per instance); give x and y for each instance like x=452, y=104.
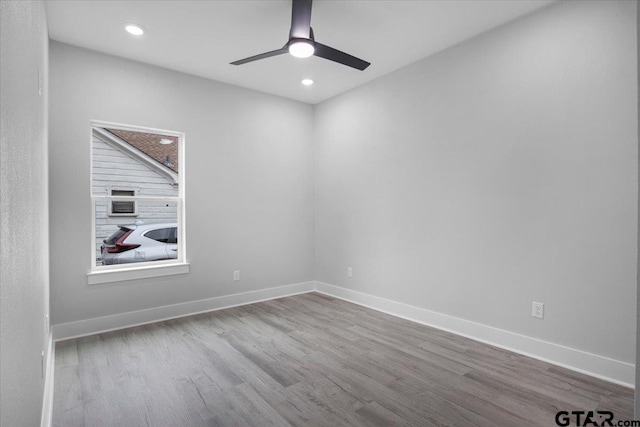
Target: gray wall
x=495, y=173
x=249, y=181
x=500, y=171
x=24, y=230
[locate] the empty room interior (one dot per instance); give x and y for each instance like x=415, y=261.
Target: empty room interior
x=319, y=213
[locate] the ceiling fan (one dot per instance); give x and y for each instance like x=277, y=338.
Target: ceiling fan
x=302, y=44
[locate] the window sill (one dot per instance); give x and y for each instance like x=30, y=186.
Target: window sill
x=134, y=273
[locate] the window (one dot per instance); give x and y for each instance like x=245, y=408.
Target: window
x=123, y=208
x=137, y=194
x=163, y=235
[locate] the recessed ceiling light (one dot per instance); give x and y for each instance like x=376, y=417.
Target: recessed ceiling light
x=307, y=82
x=166, y=141
x=134, y=29
x=301, y=48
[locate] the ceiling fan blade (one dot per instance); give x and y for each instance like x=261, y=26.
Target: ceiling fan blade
x=335, y=55
x=300, y=19
x=261, y=56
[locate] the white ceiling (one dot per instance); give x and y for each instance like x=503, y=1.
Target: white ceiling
x=202, y=37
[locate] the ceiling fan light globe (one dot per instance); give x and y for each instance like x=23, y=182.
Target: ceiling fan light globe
x=301, y=48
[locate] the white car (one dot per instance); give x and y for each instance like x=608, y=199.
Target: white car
x=141, y=243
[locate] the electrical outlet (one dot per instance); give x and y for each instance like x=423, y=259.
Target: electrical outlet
x=537, y=310
x=236, y=276
x=349, y=272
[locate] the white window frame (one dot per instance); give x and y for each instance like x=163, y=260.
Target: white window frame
x=110, y=191
x=115, y=273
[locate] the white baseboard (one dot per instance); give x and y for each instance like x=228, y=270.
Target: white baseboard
x=49, y=371
x=97, y=325
x=598, y=366
x=602, y=367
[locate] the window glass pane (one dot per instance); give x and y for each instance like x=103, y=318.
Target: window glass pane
x=149, y=236
x=120, y=207
x=123, y=193
x=173, y=236
x=111, y=240
x=126, y=161
x=161, y=234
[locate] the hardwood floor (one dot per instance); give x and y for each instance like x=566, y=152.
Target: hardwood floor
x=311, y=360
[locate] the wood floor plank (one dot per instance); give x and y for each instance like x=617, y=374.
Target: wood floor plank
x=311, y=360
x=68, y=404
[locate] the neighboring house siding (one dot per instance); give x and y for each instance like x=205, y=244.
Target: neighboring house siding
x=113, y=169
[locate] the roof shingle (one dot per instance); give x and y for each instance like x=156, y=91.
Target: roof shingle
x=149, y=143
